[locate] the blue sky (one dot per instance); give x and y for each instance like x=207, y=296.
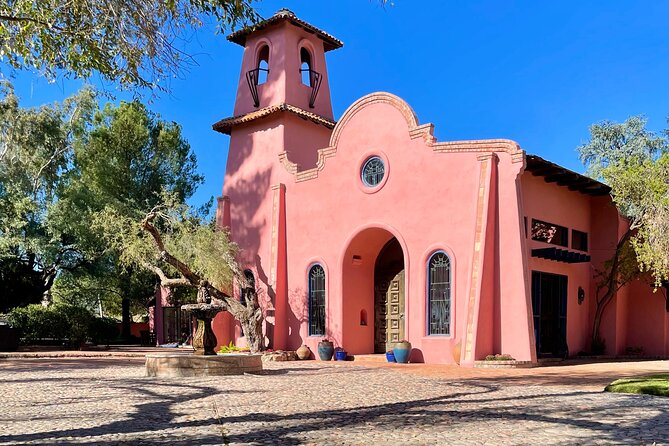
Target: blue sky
x=536, y=72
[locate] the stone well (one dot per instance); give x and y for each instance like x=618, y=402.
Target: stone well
x=185, y=365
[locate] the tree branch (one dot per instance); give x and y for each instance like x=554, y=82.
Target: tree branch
x=166, y=281
x=60, y=29
x=186, y=272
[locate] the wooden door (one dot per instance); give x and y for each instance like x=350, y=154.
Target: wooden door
x=389, y=312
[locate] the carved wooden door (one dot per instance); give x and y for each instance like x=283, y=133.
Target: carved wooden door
x=389, y=317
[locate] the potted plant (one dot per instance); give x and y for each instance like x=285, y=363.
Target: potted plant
x=340, y=354
x=402, y=351
x=325, y=350
x=390, y=356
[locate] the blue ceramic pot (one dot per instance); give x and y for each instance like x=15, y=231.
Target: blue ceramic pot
x=325, y=350
x=390, y=356
x=402, y=351
x=340, y=355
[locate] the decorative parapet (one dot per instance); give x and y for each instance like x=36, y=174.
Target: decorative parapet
x=416, y=131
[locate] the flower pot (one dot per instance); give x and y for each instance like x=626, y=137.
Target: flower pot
x=390, y=356
x=303, y=352
x=340, y=355
x=325, y=350
x=402, y=351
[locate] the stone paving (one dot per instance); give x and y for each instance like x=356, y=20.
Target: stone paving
x=109, y=401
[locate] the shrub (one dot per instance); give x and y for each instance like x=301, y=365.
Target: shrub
x=103, y=330
x=37, y=322
x=232, y=348
x=61, y=322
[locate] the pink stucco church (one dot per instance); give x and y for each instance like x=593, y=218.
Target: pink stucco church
x=367, y=230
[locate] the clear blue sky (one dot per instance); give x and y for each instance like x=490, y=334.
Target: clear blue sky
x=536, y=72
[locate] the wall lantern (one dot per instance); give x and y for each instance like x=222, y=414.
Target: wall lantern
x=581, y=295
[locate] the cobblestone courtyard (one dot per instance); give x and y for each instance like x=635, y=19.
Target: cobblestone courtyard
x=108, y=401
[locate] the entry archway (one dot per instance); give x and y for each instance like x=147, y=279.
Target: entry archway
x=374, y=284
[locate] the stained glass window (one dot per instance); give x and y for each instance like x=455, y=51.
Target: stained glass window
x=439, y=294
x=316, y=301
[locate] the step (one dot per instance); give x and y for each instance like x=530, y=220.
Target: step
x=375, y=358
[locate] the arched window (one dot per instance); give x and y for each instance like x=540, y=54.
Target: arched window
x=316, y=301
x=439, y=294
x=263, y=64
x=305, y=67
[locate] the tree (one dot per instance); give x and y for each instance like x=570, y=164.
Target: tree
x=184, y=250
x=35, y=167
x=61, y=165
x=140, y=44
x=635, y=163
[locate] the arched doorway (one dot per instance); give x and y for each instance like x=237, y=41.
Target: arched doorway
x=373, y=291
x=388, y=296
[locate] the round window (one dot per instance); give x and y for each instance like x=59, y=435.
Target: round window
x=373, y=171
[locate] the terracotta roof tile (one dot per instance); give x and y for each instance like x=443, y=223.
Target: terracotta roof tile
x=329, y=42
x=226, y=125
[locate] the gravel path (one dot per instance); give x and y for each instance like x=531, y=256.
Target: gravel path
x=108, y=401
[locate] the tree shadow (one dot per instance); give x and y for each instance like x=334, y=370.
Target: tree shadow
x=158, y=411
x=452, y=410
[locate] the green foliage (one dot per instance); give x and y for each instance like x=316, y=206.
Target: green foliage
x=635, y=163
x=186, y=234
x=59, y=322
x=649, y=385
x=138, y=44
x=612, y=144
x=103, y=330
x=232, y=348
x=37, y=322
x=60, y=166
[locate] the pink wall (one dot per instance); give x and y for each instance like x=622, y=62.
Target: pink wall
x=556, y=204
x=135, y=328
x=294, y=197
x=646, y=319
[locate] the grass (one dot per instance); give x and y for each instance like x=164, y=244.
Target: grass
x=649, y=385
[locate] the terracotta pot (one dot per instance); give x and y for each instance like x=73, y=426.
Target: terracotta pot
x=456, y=352
x=303, y=352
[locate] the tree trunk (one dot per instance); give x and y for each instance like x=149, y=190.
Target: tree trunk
x=125, y=317
x=612, y=285
x=253, y=332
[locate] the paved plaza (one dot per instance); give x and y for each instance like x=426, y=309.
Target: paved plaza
x=109, y=401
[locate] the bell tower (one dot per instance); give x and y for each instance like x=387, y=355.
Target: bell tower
x=283, y=90
x=282, y=107
x=284, y=63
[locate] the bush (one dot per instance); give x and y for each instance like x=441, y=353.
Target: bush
x=103, y=330
x=61, y=322
x=37, y=322
x=78, y=321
